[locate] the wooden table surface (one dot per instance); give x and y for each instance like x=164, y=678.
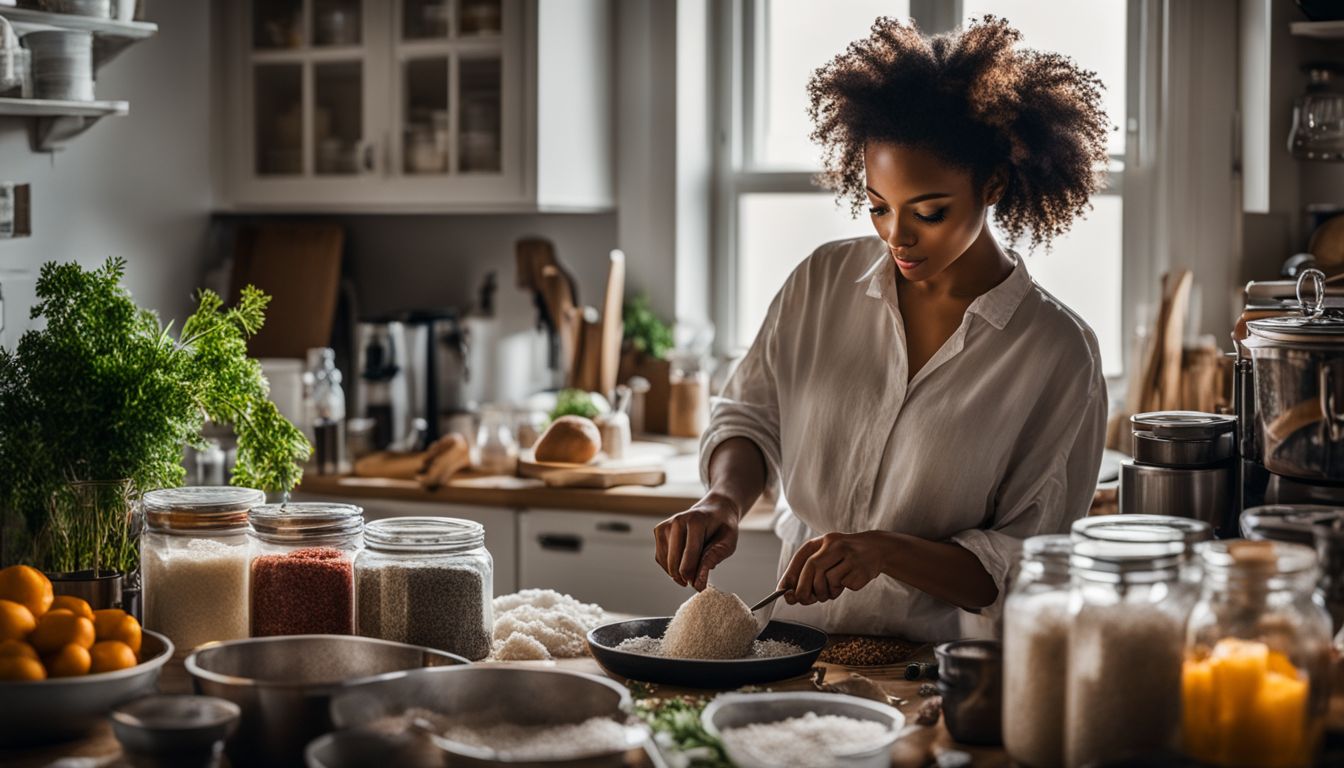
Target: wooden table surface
x=100, y=749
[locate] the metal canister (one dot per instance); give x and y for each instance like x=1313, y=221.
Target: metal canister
x=1183, y=466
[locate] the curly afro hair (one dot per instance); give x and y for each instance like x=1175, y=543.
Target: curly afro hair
x=978, y=103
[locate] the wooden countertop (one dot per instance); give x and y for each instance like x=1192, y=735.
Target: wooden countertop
x=919, y=748
x=681, y=490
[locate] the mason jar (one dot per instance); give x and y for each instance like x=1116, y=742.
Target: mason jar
x=1036, y=652
x=301, y=574
x=1257, y=654
x=1129, y=603
x=193, y=560
x=426, y=581
x=1149, y=528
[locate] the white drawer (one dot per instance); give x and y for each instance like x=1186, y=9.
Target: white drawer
x=608, y=559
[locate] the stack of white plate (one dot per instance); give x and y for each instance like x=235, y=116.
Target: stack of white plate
x=62, y=64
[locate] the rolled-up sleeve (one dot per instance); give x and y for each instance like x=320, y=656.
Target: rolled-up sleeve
x=1050, y=484
x=749, y=404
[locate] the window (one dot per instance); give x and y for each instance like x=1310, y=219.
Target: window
x=771, y=215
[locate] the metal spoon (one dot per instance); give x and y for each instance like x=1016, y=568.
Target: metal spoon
x=763, y=610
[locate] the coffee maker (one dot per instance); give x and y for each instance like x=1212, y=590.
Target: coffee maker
x=1289, y=392
x=383, y=390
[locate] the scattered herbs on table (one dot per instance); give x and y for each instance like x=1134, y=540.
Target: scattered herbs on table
x=677, y=729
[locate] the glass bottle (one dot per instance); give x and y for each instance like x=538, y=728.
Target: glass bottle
x=427, y=581
x=328, y=403
x=1129, y=602
x=1318, y=118
x=301, y=568
x=1254, y=684
x=1035, y=647
x=193, y=556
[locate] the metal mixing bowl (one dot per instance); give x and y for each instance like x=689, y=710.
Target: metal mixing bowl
x=490, y=694
x=284, y=685
x=736, y=710
x=43, y=711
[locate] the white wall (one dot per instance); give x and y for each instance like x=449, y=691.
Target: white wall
x=135, y=186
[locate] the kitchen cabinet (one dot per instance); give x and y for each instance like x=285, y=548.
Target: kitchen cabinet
x=417, y=105
x=501, y=528
x=608, y=559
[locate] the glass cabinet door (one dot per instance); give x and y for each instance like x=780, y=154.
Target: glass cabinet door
x=450, y=67
x=308, y=79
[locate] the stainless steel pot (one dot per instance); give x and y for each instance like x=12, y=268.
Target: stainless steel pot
x=1183, y=466
x=1298, y=367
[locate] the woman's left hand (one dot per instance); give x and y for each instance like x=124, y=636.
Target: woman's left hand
x=828, y=565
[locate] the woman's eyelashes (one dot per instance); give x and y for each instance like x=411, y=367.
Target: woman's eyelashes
x=877, y=210
x=932, y=218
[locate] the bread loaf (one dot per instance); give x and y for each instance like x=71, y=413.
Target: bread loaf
x=569, y=440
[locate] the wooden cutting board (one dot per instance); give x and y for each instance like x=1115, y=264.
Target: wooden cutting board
x=600, y=473
x=299, y=266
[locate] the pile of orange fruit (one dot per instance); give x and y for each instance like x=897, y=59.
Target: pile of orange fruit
x=44, y=636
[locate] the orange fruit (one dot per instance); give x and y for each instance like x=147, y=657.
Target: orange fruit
x=70, y=661
x=106, y=620
x=21, y=668
x=125, y=631
x=16, y=621
x=17, y=648
x=72, y=604
x=110, y=655
x=60, y=628
x=27, y=586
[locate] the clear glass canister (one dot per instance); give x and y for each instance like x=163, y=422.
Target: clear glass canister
x=1129, y=604
x=1257, y=657
x=427, y=581
x=301, y=574
x=1148, y=528
x=1036, y=653
x=193, y=556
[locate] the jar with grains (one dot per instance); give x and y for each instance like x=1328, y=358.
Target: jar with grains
x=1036, y=653
x=193, y=557
x=1129, y=603
x=301, y=577
x=1148, y=528
x=426, y=581
x=1257, y=656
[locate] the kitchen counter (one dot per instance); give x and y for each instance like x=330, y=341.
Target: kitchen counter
x=918, y=749
x=681, y=490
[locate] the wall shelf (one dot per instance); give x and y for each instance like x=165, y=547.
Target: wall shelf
x=59, y=121
x=110, y=37
x=1322, y=30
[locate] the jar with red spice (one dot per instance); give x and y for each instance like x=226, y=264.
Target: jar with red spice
x=301, y=577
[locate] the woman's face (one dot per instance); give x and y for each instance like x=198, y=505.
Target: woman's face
x=927, y=212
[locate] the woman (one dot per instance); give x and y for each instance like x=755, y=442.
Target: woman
x=921, y=403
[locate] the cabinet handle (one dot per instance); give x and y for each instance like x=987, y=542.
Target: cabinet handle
x=370, y=157
x=613, y=526
x=560, y=542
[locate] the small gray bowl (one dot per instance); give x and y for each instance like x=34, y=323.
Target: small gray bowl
x=179, y=731
x=44, y=711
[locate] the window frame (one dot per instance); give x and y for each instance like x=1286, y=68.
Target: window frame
x=739, y=24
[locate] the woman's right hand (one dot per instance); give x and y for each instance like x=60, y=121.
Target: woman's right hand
x=690, y=544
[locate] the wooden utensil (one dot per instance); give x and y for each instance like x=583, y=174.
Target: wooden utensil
x=587, y=376
x=612, y=325
x=560, y=304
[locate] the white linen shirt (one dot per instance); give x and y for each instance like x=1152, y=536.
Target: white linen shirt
x=997, y=438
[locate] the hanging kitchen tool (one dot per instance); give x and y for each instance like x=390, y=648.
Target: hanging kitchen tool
x=612, y=327
x=533, y=256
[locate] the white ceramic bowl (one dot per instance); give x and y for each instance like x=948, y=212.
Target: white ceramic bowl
x=735, y=710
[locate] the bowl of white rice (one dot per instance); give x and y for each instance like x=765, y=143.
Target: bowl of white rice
x=498, y=715
x=803, y=729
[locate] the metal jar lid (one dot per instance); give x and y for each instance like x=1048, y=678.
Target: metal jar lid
x=1313, y=326
x=200, y=507
x=1183, y=425
x=424, y=534
x=295, y=523
x=1141, y=528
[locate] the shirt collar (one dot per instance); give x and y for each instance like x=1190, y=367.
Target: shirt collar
x=996, y=306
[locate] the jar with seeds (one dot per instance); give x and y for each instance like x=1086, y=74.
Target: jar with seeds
x=427, y=581
x=301, y=570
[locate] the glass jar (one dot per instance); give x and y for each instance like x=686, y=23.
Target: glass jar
x=1036, y=653
x=301, y=577
x=1254, y=686
x=427, y=581
x=1129, y=604
x=193, y=557
x=1148, y=528
x=496, y=450
x=687, y=395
